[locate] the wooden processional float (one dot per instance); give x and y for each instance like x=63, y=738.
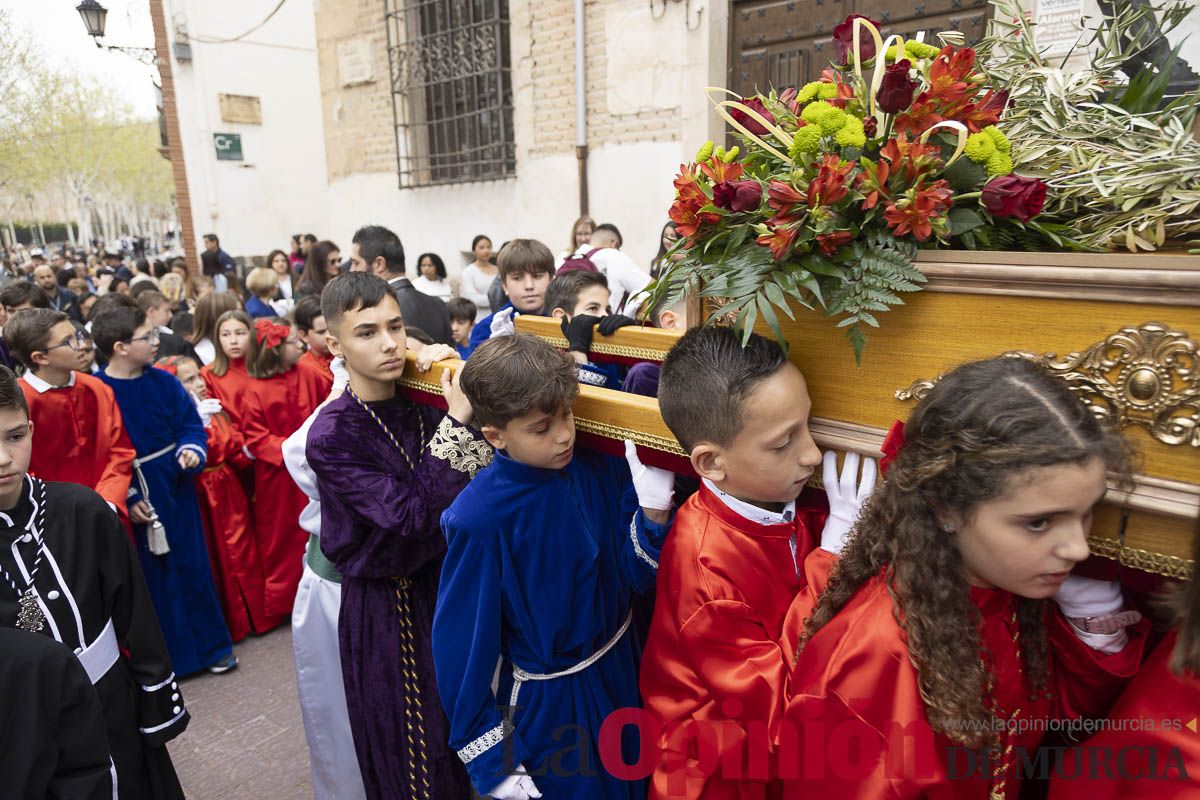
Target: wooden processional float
x=1122, y=330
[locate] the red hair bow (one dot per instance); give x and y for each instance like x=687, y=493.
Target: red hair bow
x=270, y=334
x=891, y=445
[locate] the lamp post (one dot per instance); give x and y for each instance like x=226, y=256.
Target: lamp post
x=94, y=17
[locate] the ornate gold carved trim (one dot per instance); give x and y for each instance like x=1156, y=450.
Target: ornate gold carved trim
x=1147, y=375
x=1144, y=560
x=638, y=437
x=639, y=353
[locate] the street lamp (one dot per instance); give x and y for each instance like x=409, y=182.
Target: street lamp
x=94, y=17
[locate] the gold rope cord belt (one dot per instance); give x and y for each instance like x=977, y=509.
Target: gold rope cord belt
x=413, y=719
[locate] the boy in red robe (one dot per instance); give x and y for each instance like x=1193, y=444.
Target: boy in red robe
x=734, y=561
x=311, y=324
x=81, y=438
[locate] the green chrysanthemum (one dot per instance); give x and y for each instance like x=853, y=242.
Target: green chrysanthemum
x=917, y=49
x=998, y=138
x=813, y=112
x=805, y=140
x=980, y=147
x=827, y=91
x=809, y=92
x=705, y=152
x=852, y=134
x=730, y=154
x=999, y=164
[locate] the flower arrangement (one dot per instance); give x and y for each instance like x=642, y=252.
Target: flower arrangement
x=1118, y=153
x=836, y=184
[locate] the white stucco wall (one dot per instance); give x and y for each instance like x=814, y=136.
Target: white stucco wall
x=630, y=187
x=279, y=189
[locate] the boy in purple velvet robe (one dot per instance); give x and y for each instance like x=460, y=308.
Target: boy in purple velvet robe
x=386, y=469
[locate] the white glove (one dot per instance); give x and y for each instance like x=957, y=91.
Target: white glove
x=516, y=787
x=845, y=499
x=341, y=378
x=1088, y=597
x=206, y=409
x=655, y=487
x=502, y=322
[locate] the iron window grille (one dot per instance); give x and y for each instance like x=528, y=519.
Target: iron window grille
x=451, y=86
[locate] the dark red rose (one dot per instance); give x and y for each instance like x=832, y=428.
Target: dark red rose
x=750, y=123
x=896, y=91
x=870, y=127
x=843, y=40
x=737, y=195
x=1014, y=196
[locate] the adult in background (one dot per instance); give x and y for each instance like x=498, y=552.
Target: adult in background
x=477, y=277
x=431, y=277
x=221, y=266
x=61, y=298
x=324, y=262
x=666, y=240
x=285, y=294
x=379, y=251
x=625, y=278
x=581, y=234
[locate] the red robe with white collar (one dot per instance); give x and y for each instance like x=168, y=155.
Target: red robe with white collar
x=855, y=721
x=713, y=655
x=78, y=437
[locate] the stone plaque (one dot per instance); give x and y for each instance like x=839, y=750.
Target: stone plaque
x=356, y=65
x=240, y=108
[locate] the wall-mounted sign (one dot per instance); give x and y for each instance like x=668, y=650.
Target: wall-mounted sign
x=242, y=108
x=228, y=146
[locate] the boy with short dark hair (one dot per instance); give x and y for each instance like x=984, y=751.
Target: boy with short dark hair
x=172, y=448
x=385, y=470
x=524, y=267
x=462, y=317
x=82, y=437
x=23, y=295
x=736, y=558
x=70, y=575
x=579, y=300
x=545, y=551
x=311, y=324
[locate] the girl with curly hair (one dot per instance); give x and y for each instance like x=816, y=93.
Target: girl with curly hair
x=952, y=629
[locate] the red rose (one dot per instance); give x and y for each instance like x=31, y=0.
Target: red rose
x=749, y=122
x=737, y=195
x=843, y=40
x=896, y=91
x=1014, y=196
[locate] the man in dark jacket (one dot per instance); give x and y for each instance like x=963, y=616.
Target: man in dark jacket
x=61, y=298
x=376, y=249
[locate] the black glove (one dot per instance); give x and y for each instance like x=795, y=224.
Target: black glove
x=579, y=332
x=613, y=322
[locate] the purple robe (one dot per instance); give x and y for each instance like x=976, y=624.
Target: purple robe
x=379, y=526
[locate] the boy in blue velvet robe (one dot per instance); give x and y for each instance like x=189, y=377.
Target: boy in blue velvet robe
x=172, y=447
x=546, y=548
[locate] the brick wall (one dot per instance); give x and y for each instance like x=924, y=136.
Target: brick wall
x=359, y=131
x=162, y=49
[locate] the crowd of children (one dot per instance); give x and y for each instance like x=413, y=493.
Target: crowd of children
x=480, y=606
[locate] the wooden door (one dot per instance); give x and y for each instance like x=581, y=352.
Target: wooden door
x=781, y=43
